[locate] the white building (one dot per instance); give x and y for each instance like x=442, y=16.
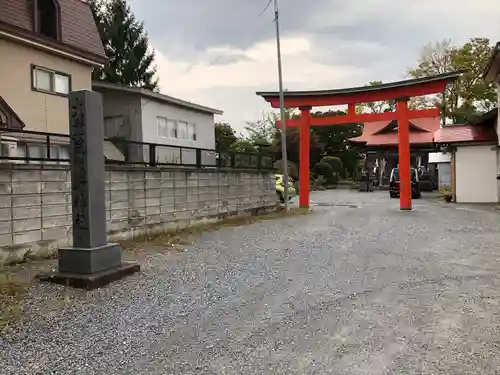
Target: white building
x=140, y=115
x=474, y=151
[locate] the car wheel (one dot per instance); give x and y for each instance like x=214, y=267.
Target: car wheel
x=417, y=196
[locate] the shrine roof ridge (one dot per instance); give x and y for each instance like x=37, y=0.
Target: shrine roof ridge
x=362, y=89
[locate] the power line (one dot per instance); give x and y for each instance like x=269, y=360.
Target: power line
x=266, y=7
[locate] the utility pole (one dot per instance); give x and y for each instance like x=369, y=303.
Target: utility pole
x=284, y=157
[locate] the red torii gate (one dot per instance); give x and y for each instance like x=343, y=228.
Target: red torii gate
x=400, y=91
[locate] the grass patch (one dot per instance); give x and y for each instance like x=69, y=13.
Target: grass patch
x=178, y=240
x=11, y=293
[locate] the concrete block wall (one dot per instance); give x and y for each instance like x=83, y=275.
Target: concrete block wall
x=35, y=203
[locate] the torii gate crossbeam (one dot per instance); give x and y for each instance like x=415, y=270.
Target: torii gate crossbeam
x=400, y=91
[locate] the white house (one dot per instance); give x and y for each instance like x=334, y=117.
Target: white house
x=140, y=115
x=472, y=150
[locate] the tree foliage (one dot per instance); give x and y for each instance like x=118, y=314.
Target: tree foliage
x=335, y=163
x=129, y=58
x=224, y=137
x=470, y=94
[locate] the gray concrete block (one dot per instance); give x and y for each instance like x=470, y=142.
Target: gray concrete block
x=167, y=200
x=119, y=214
x=6, y=240
x=136, y=176
x=27, y=237
x=26, y=212
x=152, y=202
x=153, y=184
x=167, y=209
x=138, y=203
x=120, y=205
x=53, y=187
x=5, y=175
x=167, y=175
x=154, y=219
x=120, y=186
x=167, y=184
x=119, y=196
x=25, y=175
x=152, y=210
x=5, y=201
x=137, y=194
x=118, y=225
x=56, y=210
x=57, y=221
x=53, y=175
x=136, y=185
x=5, y=188
x=56, y=233
x=28, y=187
x=55, y=198
x=153, y=193
x=180, y=184
x=118, y=176
x=150, y=175
x=5, y=226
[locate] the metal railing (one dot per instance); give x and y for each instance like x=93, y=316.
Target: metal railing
x=53, y=148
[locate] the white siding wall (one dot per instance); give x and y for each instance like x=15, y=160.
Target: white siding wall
x=205, y=132
x=476, y=174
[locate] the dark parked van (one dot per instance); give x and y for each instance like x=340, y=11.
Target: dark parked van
x=394, y=184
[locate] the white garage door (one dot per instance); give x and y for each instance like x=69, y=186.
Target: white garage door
x=476, y=180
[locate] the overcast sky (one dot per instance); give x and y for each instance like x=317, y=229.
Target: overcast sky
x=219, y=52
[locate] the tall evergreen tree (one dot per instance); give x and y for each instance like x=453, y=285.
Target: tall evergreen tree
x=130, y=60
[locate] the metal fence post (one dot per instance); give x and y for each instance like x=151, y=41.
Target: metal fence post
x=152, y=155
x=198, y=158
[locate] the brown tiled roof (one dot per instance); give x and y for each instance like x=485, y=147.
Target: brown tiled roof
x=79, y=34
x=465, y=133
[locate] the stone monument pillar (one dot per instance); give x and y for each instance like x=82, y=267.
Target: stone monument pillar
x=92, y=261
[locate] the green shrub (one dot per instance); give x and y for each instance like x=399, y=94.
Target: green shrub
x=324, y=170
x=334, y=162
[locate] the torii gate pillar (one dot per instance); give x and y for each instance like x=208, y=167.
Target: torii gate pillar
x=404, y=154
x=305, y=155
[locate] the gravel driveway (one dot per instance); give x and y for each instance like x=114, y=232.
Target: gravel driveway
x=356, y=287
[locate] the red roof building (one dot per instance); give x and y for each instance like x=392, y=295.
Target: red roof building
x=380, y=142
x=384, y=134
x=481, y=131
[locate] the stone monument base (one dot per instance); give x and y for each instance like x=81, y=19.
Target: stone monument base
x=92, y=280
x=89, y=260
x=90, y=268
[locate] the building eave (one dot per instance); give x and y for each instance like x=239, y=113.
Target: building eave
x=492, y=70
x=156, y=96
x=48, y=45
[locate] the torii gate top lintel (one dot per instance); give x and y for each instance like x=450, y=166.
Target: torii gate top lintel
x=400, y=91
x=363, y=94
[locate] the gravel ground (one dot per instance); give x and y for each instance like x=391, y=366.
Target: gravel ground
x=356, y=287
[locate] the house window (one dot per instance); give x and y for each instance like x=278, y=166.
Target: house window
x=47, y=18
x=49, y=81
x=162, y=124
x=182, y=130
x=167, y=128
x=172, y=129
x=191, y=131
